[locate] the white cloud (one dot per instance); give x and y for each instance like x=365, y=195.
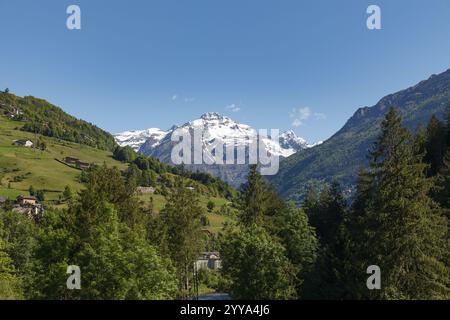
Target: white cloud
x=300, y=115
x=297, y=123
x=304, y=113
x=189, y=99
x=233, y=108
x=174, y=97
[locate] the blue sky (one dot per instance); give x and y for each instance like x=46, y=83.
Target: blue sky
x=154, y=63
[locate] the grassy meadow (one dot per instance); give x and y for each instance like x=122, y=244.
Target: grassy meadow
x=22, y=167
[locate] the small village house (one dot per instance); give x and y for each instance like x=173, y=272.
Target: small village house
x=11, y=112
x=77, y=162
x=71, y=160
x=82, y=165
x=208, y=260
x=30, y=207
x=26, y=200
x=23, y=143
x=145, y=190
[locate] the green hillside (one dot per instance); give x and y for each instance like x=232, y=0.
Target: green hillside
x=340, y=157
x=39, y=116
x=22, y=167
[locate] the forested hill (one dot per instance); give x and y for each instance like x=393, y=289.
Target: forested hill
x=341, y=156
x=41, y=117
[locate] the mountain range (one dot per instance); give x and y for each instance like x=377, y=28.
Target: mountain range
x=337, y=159
x=216, y=127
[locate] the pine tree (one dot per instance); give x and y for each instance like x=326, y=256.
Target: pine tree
x=107, y=185
x=311, y=201
x=298, y=237
x=181, y=218
x=443, y=183
x=435, y=145
x=329, y=213
x=447, y=124
x=258, y=201
x=395, y=224
x=253, y=199
x=327, y=279
x=420, y=140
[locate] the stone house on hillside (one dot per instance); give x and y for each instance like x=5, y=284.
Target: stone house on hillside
x=26, y=200
x=30, y=207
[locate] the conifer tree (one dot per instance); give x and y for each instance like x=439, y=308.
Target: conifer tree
x=254, y=198
x=435, y=145
x=311, y=201
x=327, y=280
x=329, y=213
x=299, y=240
x=258, y=201
x=447, y=124
x=443, y=182
x=395, y=224
x=181, y=218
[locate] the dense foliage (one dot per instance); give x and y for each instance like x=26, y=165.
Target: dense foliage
x=397, y=222
x=103, y=232
x=272, y=247
x=146, y=170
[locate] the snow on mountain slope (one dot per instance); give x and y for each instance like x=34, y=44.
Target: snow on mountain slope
x=215, y=127
x=137, y=138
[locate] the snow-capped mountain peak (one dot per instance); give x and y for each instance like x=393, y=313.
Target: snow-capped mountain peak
x=289, y=140
x=137, y=138
x=211, y=116
x=215, y=127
